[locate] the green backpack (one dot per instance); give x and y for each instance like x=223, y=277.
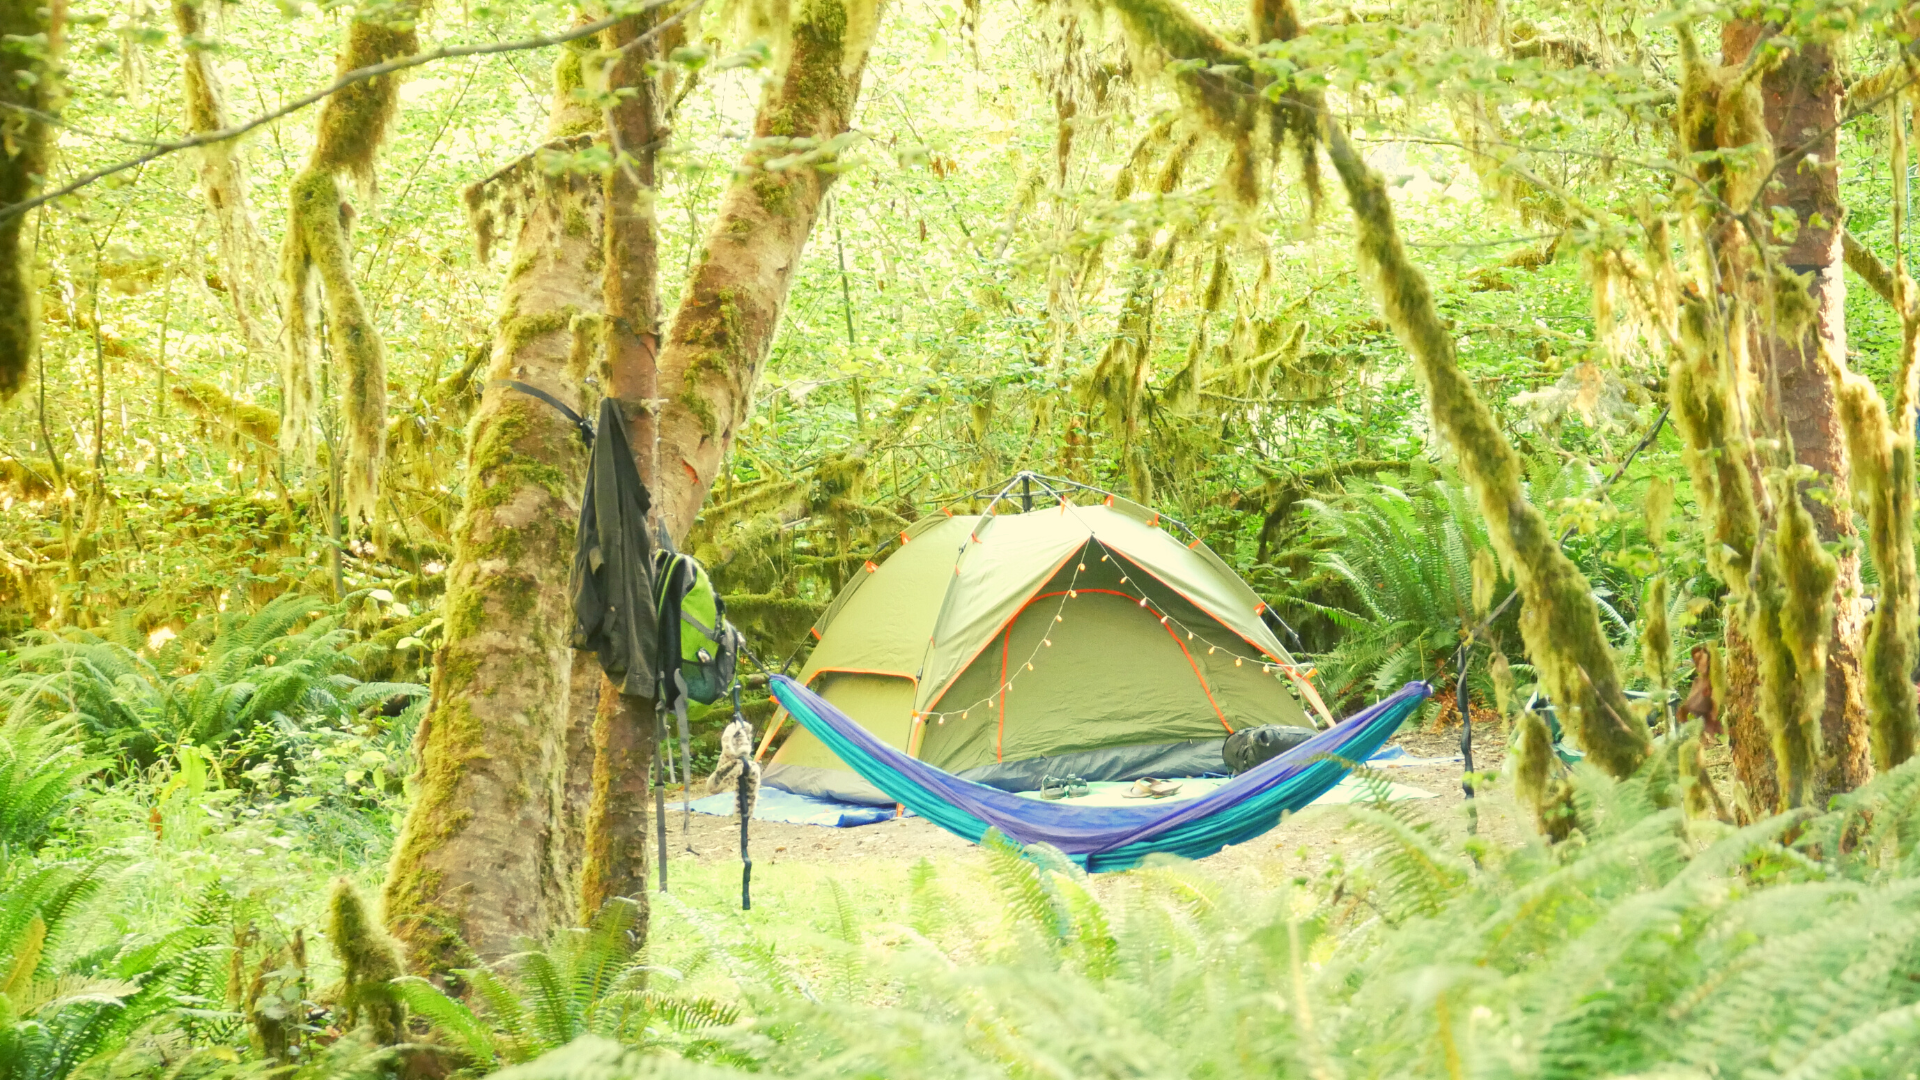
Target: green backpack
x=709, y=644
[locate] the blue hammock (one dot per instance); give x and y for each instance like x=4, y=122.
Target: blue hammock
x=1108, y=838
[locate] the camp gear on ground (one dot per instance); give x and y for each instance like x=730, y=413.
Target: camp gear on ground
x=1107, y=838
x=1083, y=640
x=612, y=580
x=1251, y=746
x=1062, y=787
x=1149, y=788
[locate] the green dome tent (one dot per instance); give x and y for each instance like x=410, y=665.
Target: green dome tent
x=1069, y=639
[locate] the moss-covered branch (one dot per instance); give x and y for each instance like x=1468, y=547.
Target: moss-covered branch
x=316, y=268
x=723, y=329
x=1560, y=621
x=244, y=260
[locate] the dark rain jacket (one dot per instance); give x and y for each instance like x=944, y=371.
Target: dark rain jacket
x=613, y=611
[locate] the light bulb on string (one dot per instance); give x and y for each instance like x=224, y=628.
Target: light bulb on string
x=1236, y=661
x=1143, y=601
x=1210, y=649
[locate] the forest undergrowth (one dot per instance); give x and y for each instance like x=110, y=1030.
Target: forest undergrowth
x=1569, y=350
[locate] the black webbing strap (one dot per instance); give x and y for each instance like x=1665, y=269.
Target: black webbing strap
x=579, y=422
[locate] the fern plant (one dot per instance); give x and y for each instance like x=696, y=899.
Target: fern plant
x=586, y=981
x=1406, y=559
x=235, y=681
x=1647, y=944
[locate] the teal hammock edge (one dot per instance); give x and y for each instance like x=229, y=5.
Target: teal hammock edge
x=1103, y=839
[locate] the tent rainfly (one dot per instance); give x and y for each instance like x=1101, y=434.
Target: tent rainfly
x=1081, y=640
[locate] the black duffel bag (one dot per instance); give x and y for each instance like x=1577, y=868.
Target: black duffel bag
x=1251, y=746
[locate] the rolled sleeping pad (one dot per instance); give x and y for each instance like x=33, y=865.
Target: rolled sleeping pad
x=1251, y=746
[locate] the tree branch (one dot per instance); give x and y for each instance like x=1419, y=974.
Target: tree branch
x=1861, y=260
x=351, y=78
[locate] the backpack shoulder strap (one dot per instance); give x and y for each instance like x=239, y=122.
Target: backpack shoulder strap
x=579, y=422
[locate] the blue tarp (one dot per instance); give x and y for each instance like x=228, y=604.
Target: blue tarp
x=776, y=805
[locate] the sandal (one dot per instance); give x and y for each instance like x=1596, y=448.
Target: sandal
x=1062, y=787
x=1149, y=788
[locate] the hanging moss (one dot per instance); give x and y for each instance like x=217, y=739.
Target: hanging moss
x=1790, y=622
x=1881, y=452
x=1536, y=783
x=316, y=265
x=317, y=251
x=1558, y=620
x=353, y=123
x=369, y=963
x=27, y=79
x=1704, y=385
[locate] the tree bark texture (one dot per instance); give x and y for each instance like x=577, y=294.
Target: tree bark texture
x=28, y=80
x=615, y=856
x=245, y=261
x=485, y=858
x=724, y=326
x=583, y=700
x=1801, y=99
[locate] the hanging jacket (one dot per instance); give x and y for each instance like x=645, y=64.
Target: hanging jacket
x=612, y=584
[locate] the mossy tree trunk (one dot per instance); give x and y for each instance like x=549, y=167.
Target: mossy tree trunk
x=29, y=42
x=316, y=263
x=615, y=857
x=1801, y=98
x=725, y=322
x=486, y=855
x=245, y=262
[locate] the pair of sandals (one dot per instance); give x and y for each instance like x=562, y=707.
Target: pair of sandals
x=1062, y=787
x=1149, y=788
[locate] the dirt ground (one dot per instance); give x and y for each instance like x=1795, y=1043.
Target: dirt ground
x=1301, y=846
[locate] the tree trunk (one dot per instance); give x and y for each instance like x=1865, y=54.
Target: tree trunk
x=245, y=263
x=1801, y=97
x=616, y=826
x=727, y=316
x=29, y=81
x=483, y=859
x=583, y=702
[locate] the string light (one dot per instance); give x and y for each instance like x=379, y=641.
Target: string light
x=1072, y=592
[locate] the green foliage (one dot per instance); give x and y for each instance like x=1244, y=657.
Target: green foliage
x=40, y=765
x=1646, y=942
x=1405, y=557
x=239, y=683
x=585, y=982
